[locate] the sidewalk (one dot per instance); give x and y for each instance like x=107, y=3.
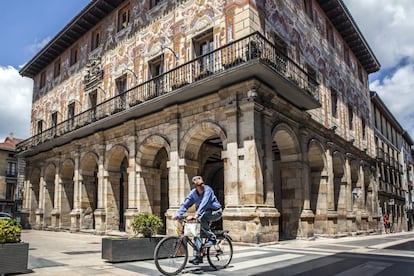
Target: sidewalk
x=63, y=253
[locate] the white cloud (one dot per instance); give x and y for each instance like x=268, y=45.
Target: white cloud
x=15, y=103
x=396, y=92
x=387, y=27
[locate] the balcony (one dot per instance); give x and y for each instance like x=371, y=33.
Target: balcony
x=250, y=57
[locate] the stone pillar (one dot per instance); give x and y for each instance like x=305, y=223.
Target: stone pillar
x=40, y=210
x=351, y=217
x=100, y=212
x=76, y=212
x=332, y=214
x=132, y=210
x=246, y=215
x=307, y=217
x=56, y=224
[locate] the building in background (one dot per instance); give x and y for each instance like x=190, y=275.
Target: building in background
x=10, y=165
x=408, y=176
x=268, y=100
x=393, y=164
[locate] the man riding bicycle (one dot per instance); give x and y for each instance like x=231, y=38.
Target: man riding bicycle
x=208, y=210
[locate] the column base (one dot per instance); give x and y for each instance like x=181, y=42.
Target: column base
x=100, y=221
x=252, y=224
x=75, y=220
x=129, y=217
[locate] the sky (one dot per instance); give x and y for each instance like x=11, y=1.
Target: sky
x=386, y=25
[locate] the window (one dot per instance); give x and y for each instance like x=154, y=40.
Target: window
x=39, y=126
x=330, y=34
x=346, y=56
x=364, y=130
x=307, y=5
x=56, y=68
x=360, y=74
x=312, y=77
x=121, y=86
x=54, y=121
x=153, y=3
x=10, y=191
x=74, y=55
x=334, y=103
x=93, y=99
x=42, y=82
x=350, y=117
x=203, y=44
x=71, y=114
x=96, y=39
x=11, y=169
x=123, y=18
x=155, y=70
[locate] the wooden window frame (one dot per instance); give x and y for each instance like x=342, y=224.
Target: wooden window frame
x=124, y=17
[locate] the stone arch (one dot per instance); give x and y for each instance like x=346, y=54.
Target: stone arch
x=115, y=157
x=49, y=194
x=318, y=182
x=287, y=179
x=201, y=148
x=67, y=172
x=117, y=188
x=195, y=137
x=153, y=157
x=88, y=193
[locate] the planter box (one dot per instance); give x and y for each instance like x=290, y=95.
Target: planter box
x=128, y=249
x=14, y=258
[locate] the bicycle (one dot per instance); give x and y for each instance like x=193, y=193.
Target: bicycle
x=171, y=253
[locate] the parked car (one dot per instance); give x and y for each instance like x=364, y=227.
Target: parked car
x=4, y=215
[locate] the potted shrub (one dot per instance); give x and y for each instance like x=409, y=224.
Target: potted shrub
x=136, y=248
x=14, y=254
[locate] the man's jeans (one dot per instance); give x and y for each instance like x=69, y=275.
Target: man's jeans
x=205, y=220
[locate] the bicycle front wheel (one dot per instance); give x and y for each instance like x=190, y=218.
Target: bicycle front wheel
x=220, y=255
x=170, y=255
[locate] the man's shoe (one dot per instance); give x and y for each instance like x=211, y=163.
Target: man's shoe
x=196, y=261
x=210, y=243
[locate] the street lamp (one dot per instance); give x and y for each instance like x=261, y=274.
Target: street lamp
x=135, y=75
x=172, y=51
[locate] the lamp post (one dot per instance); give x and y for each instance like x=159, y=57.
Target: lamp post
x=133, y=73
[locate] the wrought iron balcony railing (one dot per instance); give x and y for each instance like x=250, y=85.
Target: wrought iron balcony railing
x=252, y=49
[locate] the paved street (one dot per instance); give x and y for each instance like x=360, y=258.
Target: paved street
x=60, y=253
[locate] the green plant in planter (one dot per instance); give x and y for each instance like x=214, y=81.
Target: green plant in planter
x=146, y=224
x=10, y=231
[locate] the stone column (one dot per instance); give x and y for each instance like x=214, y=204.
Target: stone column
x=76, y=212
x=56, y=212
x=351, y=217
x=132, y=210
x=100, y=212
x=307, y=217
x=332, y=214
x=246, y=215
x=40, y=210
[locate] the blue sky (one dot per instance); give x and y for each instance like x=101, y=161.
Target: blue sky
x=29, y=24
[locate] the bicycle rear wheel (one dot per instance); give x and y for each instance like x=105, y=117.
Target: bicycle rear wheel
x=171, y=255
x=220, y=255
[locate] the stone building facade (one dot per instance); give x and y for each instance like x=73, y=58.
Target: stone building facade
x=394, y=164
x=10, y=165
x=268, y=100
